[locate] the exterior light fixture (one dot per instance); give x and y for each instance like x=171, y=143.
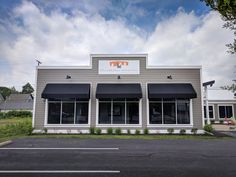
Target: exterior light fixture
x=169, y=77
x=118, y=77
x=68, y=77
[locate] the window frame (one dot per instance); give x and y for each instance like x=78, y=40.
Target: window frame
x=119, y=125
x=46, y=124
x=218, y=109
x=176, y=118
x=213, y=109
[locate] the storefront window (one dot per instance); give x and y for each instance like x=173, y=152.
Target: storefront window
x=105, y=113
x=169, y=111
x=211, y=114
x=81, y=113
x=132, y=113
x=183, y=112
x=67, y=112
x=225, y=111
x=123, y=112
x=155, y=112
x=54, y=112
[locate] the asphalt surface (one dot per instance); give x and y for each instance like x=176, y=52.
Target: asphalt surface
x=134, y=158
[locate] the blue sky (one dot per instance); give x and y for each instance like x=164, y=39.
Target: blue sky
x=65, y=32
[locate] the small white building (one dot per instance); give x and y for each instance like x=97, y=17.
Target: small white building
x=221, y=104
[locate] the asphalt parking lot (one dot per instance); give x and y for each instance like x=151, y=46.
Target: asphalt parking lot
x=71, y=157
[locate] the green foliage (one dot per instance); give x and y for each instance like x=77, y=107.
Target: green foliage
x=92, y=130
x=128, y=132
x=137, y=131
x=229, y=87
x=5, y=91
x=11, y=114
x=110, y=131
x=194, y=131
x=208, y=128
x=118, y=131
x=170, y=130
x=21, y=128
x=98, y=131
x=146, y=131
x=221, y=121
x=27, y=88
x=182, y=131
x=227, y=9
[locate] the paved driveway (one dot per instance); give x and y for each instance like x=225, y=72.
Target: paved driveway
x=118, y=158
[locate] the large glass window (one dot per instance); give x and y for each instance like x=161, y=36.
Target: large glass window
x=118, y=112
x=54, y=113
x=225, y=111
x=132, y=113
x=81, y=113
x=169, y=111
x=105, y=113
x=67, y=112
x=183, y=112
x=211, y=114
x=155, y=112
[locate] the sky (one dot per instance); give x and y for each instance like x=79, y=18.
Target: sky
x=66, y=32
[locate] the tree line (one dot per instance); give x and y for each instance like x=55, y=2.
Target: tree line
x=6, y=91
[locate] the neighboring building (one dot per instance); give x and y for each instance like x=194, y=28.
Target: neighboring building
x=17, y=102
x=221, y=104
x=119, y=91
x=1, y=101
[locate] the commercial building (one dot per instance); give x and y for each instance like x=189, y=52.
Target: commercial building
x=221, y=105
x=119, y=91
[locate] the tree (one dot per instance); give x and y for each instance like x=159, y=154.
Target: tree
x=229, y=87
x=227, y=9
x=27, y=88
x=5, y=91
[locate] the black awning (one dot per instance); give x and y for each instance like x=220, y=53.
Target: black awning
x=119, y=91
x=171, y=91
x=66, y=91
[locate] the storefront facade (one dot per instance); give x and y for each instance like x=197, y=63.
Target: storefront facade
x=119, y=91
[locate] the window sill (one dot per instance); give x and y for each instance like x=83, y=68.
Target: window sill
x=170, y=125
x=66, y=125
x=118, y=125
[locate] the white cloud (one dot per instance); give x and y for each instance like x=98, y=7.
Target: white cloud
x=61, y=39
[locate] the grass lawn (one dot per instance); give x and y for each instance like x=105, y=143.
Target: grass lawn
x=14, y=120
x=14, y=128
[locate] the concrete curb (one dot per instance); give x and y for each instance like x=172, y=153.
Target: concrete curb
x=5, y=143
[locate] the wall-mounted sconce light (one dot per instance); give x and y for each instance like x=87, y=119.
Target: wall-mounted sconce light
x=68, y=77
x=169, y=77
x=118, y=77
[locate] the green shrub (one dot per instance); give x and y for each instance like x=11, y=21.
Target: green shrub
x=128, y=132
x=11, y=114
x=21, y=128
x=45, y=130
x=194, y=131
x=146, y=131
x=98, y=131
x=137, y=131
x=170, y=130
x=92, y=130
x=208, y=128
x=182, y=131
x=110, y=131
x=118, y=131
x=221, y=121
